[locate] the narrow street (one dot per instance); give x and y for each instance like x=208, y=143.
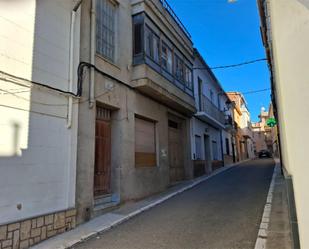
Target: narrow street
x=223, y=212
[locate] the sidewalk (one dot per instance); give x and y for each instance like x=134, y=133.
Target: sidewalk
x=120, y=215
x=275, y=229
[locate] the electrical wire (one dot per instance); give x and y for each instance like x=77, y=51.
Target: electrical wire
x=50, y=104
x=36, y=83
x=232, y=65
x=256, y=91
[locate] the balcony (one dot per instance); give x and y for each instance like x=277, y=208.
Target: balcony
x=169, y=9
x=211, y=113
x=160, y=68
x=229, y=125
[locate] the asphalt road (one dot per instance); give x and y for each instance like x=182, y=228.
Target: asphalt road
x=223, y=212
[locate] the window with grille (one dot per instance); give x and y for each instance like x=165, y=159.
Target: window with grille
x=145, y=143
x=105, y=29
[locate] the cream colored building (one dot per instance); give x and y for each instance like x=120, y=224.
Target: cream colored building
x=265, y=137
x=285, y=32
x=242, y=126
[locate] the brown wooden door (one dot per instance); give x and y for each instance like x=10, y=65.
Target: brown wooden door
x=175, y=152
x=102, y=169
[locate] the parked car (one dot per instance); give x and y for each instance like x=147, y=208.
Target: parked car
x=264, y=153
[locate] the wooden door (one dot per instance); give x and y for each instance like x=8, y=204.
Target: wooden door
x=102, y=169
x=175, y=151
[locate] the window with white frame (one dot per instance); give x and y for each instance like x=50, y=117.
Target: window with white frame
x=105, y=28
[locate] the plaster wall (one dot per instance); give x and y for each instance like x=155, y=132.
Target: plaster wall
x=37, y=149
x=289, y=22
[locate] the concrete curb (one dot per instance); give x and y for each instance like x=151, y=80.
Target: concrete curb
x=69, y=239
x=263, y=230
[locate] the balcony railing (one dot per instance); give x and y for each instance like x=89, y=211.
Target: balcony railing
x=209, y=108
x=169, y=9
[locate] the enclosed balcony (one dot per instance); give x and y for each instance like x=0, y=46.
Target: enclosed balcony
x=210, y=113
x=161, y=69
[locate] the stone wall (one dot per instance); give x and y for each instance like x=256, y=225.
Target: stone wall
x=23, y=234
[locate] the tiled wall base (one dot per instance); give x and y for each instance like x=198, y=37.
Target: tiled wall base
x=23, y=234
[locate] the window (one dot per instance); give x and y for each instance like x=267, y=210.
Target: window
x=179, y=69
x=152, y=45
x=227, y=146
x=211, y=94
x=219, y=101
x=145, y=143
x=166, y=58
x=200, y=92
x=198, y=147
x=105, y=29
x=188, y=77
x=138, y=38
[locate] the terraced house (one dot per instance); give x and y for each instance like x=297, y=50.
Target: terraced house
x=134, y=116
x=212, y=140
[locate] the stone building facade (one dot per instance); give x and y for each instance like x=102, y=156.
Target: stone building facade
x=136, y=104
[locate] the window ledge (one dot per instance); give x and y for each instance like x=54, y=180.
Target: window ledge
x=108, y=61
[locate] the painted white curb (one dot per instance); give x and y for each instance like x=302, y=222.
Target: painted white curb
x=263, y=230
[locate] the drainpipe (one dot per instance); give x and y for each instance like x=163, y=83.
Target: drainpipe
x=71, y=62
x=92, y=53
x=70, y=105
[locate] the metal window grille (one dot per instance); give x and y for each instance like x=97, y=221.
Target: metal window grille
x=102, y=113
x=105, y=29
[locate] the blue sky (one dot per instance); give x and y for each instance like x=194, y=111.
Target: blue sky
x=228, y=33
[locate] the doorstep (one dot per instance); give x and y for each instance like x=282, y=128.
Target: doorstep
x=123, y=213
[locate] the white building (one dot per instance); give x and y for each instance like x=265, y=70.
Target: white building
x=39, y=54
x=285, y=33
x=211, y=143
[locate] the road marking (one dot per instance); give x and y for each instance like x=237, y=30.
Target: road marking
x=263, y=230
